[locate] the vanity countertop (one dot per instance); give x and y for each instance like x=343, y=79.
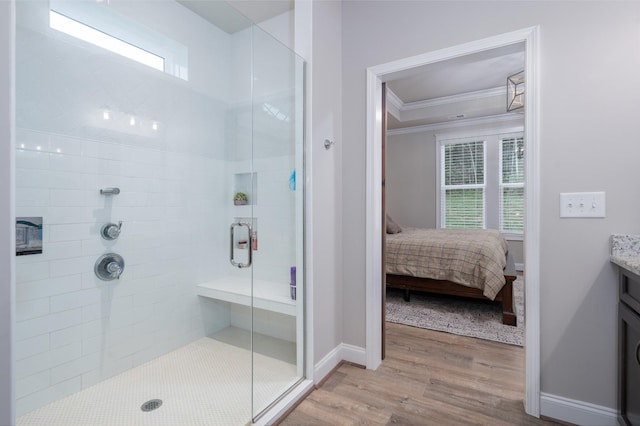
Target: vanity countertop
x=625, y=251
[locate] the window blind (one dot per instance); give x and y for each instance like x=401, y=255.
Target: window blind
x=463, y=189
x=512, y=185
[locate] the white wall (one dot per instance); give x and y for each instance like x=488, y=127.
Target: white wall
x=318, y=42
x=73, y=330
x=411, y=179
x=7, y=224
x=327, y=176
x=589, y=54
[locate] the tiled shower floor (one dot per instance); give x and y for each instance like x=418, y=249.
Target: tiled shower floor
x=206, y=382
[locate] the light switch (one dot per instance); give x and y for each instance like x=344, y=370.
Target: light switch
x=582, y=204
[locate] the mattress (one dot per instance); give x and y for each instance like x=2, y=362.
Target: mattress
x=471, y=257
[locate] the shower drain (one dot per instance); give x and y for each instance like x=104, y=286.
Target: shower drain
x=151, y=405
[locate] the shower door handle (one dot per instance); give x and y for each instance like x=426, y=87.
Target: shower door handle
x=232, y=249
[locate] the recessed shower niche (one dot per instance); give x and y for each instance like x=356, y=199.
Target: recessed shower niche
x=246, y=183
x=177, y=139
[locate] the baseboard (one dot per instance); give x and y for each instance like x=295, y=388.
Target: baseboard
x=354, y=354
x=342, y=352
x=576, y=412
x=326, y=365
x=519, y=267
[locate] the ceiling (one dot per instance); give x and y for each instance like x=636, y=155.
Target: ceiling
x=464, y=88
x=224, y=14
x=467, y=87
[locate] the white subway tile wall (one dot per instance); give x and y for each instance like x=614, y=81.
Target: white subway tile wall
x=73, y=329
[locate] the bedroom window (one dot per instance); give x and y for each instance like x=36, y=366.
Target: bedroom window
x=481, y=182
x=512, y=185
x=463, y=188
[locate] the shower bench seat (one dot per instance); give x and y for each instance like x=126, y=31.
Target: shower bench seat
x=267, y=295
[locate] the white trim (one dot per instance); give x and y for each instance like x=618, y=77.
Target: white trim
x=462, y=97
x=7, y=212
x=303, y=44
x=510, y=236
x=502, y=132
x=373, y=254
x=397, y=108
x=395, y=102
x=489, y=120
x=373, y=275
x=342, y=352
x=326, y=364
x=272, y=416
x=354, y=354
x=532, y=221
x=577, y=412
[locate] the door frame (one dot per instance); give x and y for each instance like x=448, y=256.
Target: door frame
x=378, y=74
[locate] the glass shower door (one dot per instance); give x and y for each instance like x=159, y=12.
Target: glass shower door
x=277, y=234
x=132, y=171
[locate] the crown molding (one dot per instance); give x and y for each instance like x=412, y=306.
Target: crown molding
x=394, y=100
x=463, y=97
x=396, y=107
x=394, y=103
x=492, y=119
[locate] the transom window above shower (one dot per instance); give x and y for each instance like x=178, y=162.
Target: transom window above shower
x=99, y=24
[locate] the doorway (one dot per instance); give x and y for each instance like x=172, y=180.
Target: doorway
x=376, y=76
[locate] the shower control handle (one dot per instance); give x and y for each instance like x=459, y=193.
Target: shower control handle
x=111, y=231
x=114, y=269
x=109, y=267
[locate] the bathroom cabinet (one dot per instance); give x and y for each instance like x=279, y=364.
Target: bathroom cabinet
x=629, y=348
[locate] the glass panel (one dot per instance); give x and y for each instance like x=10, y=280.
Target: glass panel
x=463, y=189
x=512, y=191
x=512, y=210
x=464, y=163
x=133, y=304
x=513, y=160
x=464, y=208
x=277, y=155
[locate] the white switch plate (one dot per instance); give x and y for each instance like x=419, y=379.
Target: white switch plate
x=582, y=204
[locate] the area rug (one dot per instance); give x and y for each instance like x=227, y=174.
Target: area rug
x=466, y=317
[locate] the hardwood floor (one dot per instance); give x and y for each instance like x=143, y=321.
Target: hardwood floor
x=427, y=378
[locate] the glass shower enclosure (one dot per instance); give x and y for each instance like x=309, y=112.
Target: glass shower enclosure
x=159, y=188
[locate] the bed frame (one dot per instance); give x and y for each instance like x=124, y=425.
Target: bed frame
x=505, y=296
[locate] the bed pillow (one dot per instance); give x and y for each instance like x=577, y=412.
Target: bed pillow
x=392, y=227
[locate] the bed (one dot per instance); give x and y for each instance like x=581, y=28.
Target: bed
x=471, y=263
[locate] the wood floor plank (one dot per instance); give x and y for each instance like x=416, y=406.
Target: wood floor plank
x=428, y=378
